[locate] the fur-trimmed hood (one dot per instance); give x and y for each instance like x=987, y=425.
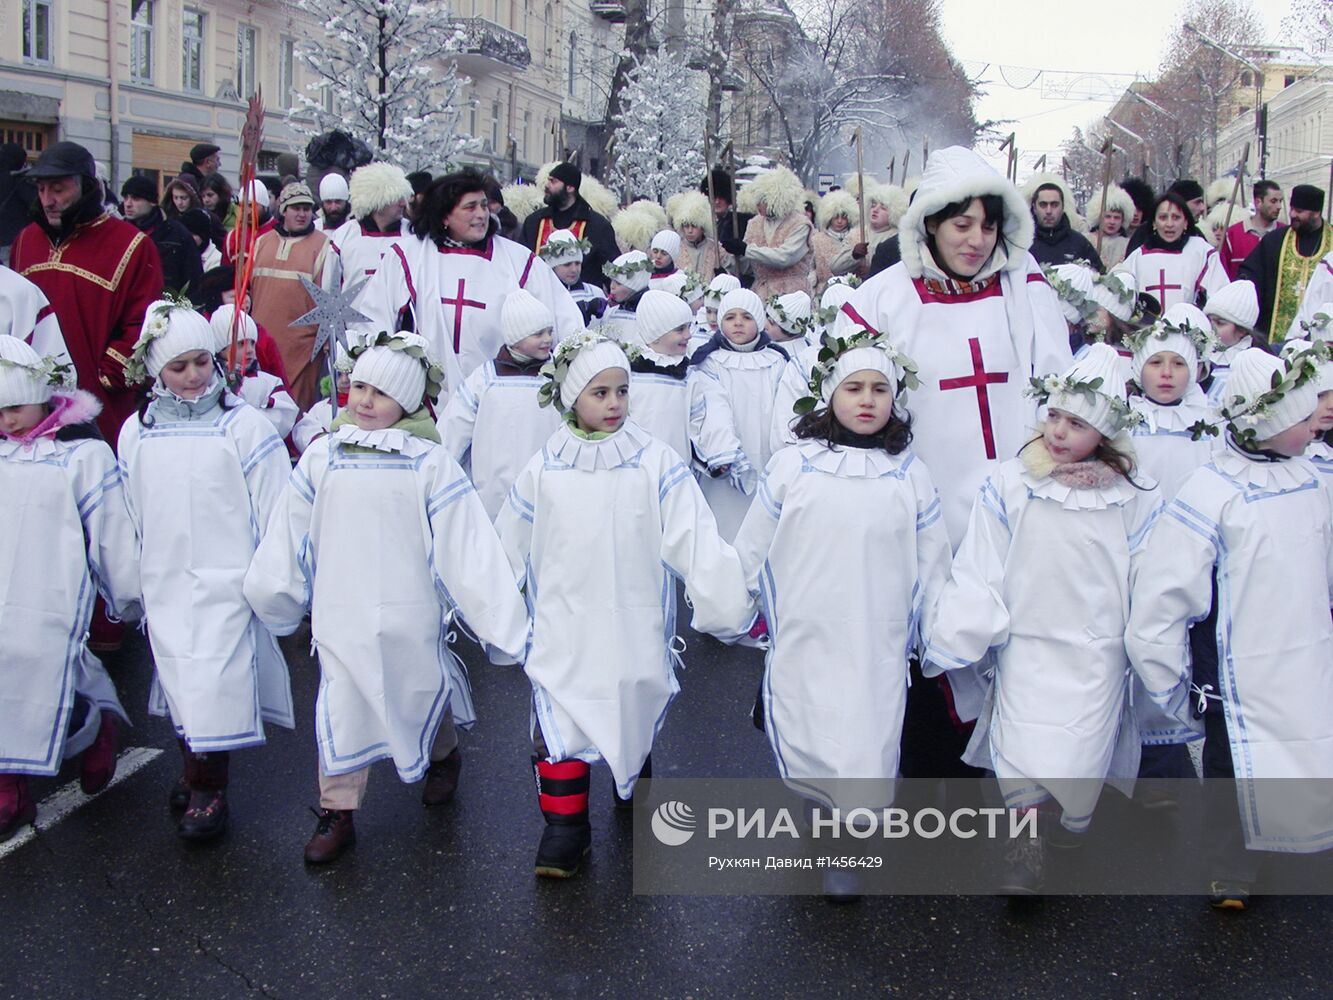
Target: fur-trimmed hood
x=69, y=408
x=834, y=204
x=1117, y=200
x=522, y=199
x=690, y=208
x=780, y=190
x=951, y=175
x=376, y=186
x=591, y=190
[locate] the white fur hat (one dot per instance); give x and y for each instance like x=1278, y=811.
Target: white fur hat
x=1219, y=191
x=718, y=287
x=376, y=186
x=667, y=240
x=834, y=204
x=791, y=311
x=1252, y=372
x=1073, y=286
x=1117, y=200
x=561, y=247
x=595, y=357
x=744, y=300
x=521, y=199
x=659, y=312
x=779, y=189
x=333, y=187
x=1103, y=408
x=859, y=359
x=23, y=380
x=522, y=314
x=891, y=196
x=170, y=330
x=1117, y=293
x=1323, y=380
x=690, y=208
x=952, y=175
x=1236, y=303
x=221, y=321
x=394, y=372
x=631, y=269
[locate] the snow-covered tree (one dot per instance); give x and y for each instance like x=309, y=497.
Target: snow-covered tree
x=657, y=147
x=388, y=67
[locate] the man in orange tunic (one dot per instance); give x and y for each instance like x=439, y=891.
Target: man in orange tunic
x=291, y=249
x=98, y=272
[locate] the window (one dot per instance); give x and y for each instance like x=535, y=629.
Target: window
x=141, y=40
x=527, y=134
x=573, y=48
x=247, y=45
x=546, y=30
x=472, y=121
x=37, y=31
x=192, y=58
x=1246, y=79
x=1288, y=80
x=287, y=74
x=495, y=126
x=326, y=98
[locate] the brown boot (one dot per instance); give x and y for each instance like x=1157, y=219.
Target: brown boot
x=442, y=779
x=334, y=833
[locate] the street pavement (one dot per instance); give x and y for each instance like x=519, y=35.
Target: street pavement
x=108, y=903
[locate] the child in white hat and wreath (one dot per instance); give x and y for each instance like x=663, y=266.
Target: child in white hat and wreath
x=564, y=252
x=70, y=538
x=833, y=694
x=1245, y=550
x=203, y=472
x=382, y=538
x=1040, y=586
x=263, y=390
x=599, y=525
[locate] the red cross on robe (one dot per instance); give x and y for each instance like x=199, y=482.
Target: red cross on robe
x=1161, y=288
x=459, y=304
x=979, y=379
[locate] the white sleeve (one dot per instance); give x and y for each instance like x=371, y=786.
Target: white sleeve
x=551, y=291
x=694, y=551
x=469, y=563
x=385, y=299
x=1214, y=276
x=266, y=466
x=971, y=615
x=785, y=254
x=313, y=424
x=46, y=337
x=933, y=552
x=332, y=278
x=515, y=519
x=715, y=438
x=112, y=544
x=1050, y=340
x=458, y=419
x=791, y=387
x=278, y=585
x=1318, y=292
x=755, y=537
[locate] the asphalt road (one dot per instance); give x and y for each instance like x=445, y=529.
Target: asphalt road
x=108, y=903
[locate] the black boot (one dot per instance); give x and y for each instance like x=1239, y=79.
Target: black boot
x=205, y=817
x=562, y=791
x=645, y=773
x=1025, y=866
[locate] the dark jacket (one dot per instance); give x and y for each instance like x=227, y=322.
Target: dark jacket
x=1260, y=269
x=598, y=232
x=1061, y=245
x=182, y=266
x=885, y=256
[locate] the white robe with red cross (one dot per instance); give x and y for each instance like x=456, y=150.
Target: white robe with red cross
x=1174, y=276
x=355, y=253
x=452, y=297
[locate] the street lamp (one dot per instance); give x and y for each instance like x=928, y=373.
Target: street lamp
x=1260, y=116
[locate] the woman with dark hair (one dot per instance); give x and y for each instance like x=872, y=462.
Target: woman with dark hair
x=1173, y=264
x=179, y=197
x=449, y=283
x=969, y=303
x=217, y=197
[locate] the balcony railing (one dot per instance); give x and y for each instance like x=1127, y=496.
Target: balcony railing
x=489, y=40
x=611, y=10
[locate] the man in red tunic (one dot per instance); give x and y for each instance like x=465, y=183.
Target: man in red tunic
x=98, y=272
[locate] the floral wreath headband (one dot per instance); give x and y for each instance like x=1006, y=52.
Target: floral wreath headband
x=558, y=248
x=620, y=272
x=556, y=370
x=1317, y=326
x=395, y=342
x=693, y=287
x=833, y=348
x=799, y=326
x=155, y=324
x=1042, y=389
x=55, y=373
x=1242, y=414
x=1161, y=329
x=1067, y=293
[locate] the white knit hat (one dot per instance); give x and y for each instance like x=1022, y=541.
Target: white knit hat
x=394, y=371
x=1117, y=293
x=1236, y=303
x=221, y=321
x=1104, y=407
x=1252, y=372
x=860, y=359
x=333, y=187
x=1188, y=314
x=631, y=269
x=24, y=378
x=259, y=193
x=659, y=312
x=791, y=311
x=718, y=287
x=522, y=315
x=170, y=330
x=668, y=240
x=1161, y=337
x=595, y=357
x=561, y=247
x=1323, y=380
x=1073, y=286
x=746, y=301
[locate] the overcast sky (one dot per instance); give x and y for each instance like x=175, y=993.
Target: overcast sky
x=1123, y=38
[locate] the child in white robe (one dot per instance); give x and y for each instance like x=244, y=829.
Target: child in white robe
x=629, y=280
x=1233, y=312
x=662, y=253
x=202, y=474
x=69, y=538
x=492, y=425
x=600, y=524
x=1250, y=532
x=843, y=621
x=789, y=320
x=1320, y=452
x=745, y=367
x=705, y=321
x=263, y=390
x=1042, y=580
x=564, y=251
x=382, y=590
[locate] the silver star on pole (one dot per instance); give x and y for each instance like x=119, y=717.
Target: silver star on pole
x=333, y=314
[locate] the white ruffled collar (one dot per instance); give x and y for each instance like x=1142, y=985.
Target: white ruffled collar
x=748, y=360
x=854, y=463
x=1036, y=467
x=36, y=450
x=1288, y=474
x=619, y=449
x=1157, y=418
x=1319, y=452
x=392, y=440
x=1223, y=357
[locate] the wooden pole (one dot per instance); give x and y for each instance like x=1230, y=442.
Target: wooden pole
x=893, y=163
x=860, y=184
x=1106, y=183
x=1235, y=188
x=907, y=158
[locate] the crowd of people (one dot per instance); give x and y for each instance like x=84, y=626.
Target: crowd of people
x=996, y=494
